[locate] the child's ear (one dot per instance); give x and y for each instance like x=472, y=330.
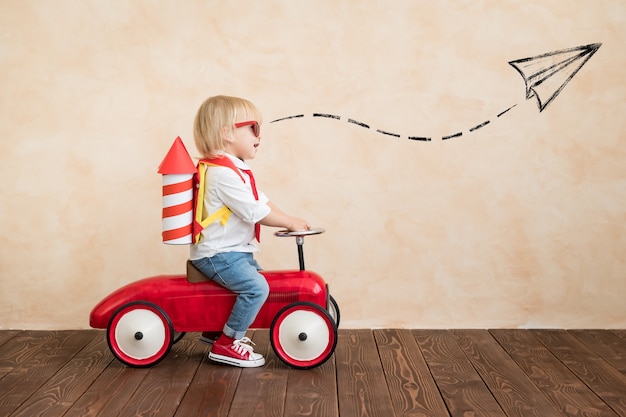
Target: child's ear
x=227, y=134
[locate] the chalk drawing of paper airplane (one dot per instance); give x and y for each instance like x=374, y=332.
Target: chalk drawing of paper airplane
x=547, y=74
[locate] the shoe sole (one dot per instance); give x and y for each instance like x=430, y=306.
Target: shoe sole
x=236, y=362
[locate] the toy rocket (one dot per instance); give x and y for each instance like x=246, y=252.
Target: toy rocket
x=178, y=170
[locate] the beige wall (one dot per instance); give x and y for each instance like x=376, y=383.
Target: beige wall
x=521, y=223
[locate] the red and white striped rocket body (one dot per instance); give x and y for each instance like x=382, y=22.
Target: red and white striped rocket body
x=178, y=170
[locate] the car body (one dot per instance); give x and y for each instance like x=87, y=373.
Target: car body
x=146, y=317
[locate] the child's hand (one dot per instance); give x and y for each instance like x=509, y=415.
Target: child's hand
x=298, y=225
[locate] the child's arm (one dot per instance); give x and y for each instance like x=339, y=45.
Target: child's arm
x=278, y=218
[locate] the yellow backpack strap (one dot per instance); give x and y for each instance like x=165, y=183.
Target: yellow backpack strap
x=222, y=215
x=200, y=223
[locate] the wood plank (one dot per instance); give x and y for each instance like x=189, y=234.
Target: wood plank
x=606, y=344
x=211, y=390
x=621, y=333
x=110, y=393
x=373, y=373
x=261, y=391
x=21, y=348
x=66, y=386
x=568, y=393
x=361, y=386
x=514, y=391
x=160, y=393
x=7, y=335
x=312, y=392
x=462, y=389
x=8, y=351
x=607, y=382
x=46, y=353
x=412, y=388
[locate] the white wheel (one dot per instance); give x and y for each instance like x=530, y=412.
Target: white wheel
x=303, y=335
x=140, y=334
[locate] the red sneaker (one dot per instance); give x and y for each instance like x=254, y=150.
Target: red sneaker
x=236, y=353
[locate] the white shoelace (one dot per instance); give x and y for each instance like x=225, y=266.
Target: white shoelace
x=241, y=345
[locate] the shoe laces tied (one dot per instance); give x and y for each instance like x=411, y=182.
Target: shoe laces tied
x=243, y=345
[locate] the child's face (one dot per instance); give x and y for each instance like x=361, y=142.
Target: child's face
x=245, y=141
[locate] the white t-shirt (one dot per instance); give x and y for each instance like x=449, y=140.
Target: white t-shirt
x=223, y=187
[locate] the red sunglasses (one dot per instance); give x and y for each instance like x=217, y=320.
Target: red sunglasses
x=256, y=129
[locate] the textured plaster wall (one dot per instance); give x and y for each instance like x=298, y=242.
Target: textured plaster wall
x=521, y=223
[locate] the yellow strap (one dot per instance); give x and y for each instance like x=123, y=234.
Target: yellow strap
x=222, y=214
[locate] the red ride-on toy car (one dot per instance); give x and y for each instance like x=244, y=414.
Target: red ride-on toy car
x=145, y=318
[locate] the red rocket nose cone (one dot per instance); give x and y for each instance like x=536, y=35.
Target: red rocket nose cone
x=177, y=160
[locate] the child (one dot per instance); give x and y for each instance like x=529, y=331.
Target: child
x=227, y=132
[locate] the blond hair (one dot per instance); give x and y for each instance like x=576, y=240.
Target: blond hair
x=216, y=118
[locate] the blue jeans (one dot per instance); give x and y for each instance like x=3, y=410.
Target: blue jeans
x=239, y=272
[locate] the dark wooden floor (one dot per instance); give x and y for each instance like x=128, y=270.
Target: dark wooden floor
x=386, y=373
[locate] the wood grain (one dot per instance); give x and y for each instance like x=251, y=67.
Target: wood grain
x=262, y=391
x=462, y=388
x=515, y=393
x=22, y=346
x=605, y=344
x=211, y=390
x=385, y=372
x=110, y=393
x=606, y=382
x=411, y=386
x=65, y=387
x=6, y=335
x=361, y=386
x=566, y=392
x=160, y=393
x=312, y=392
x=41, y=356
